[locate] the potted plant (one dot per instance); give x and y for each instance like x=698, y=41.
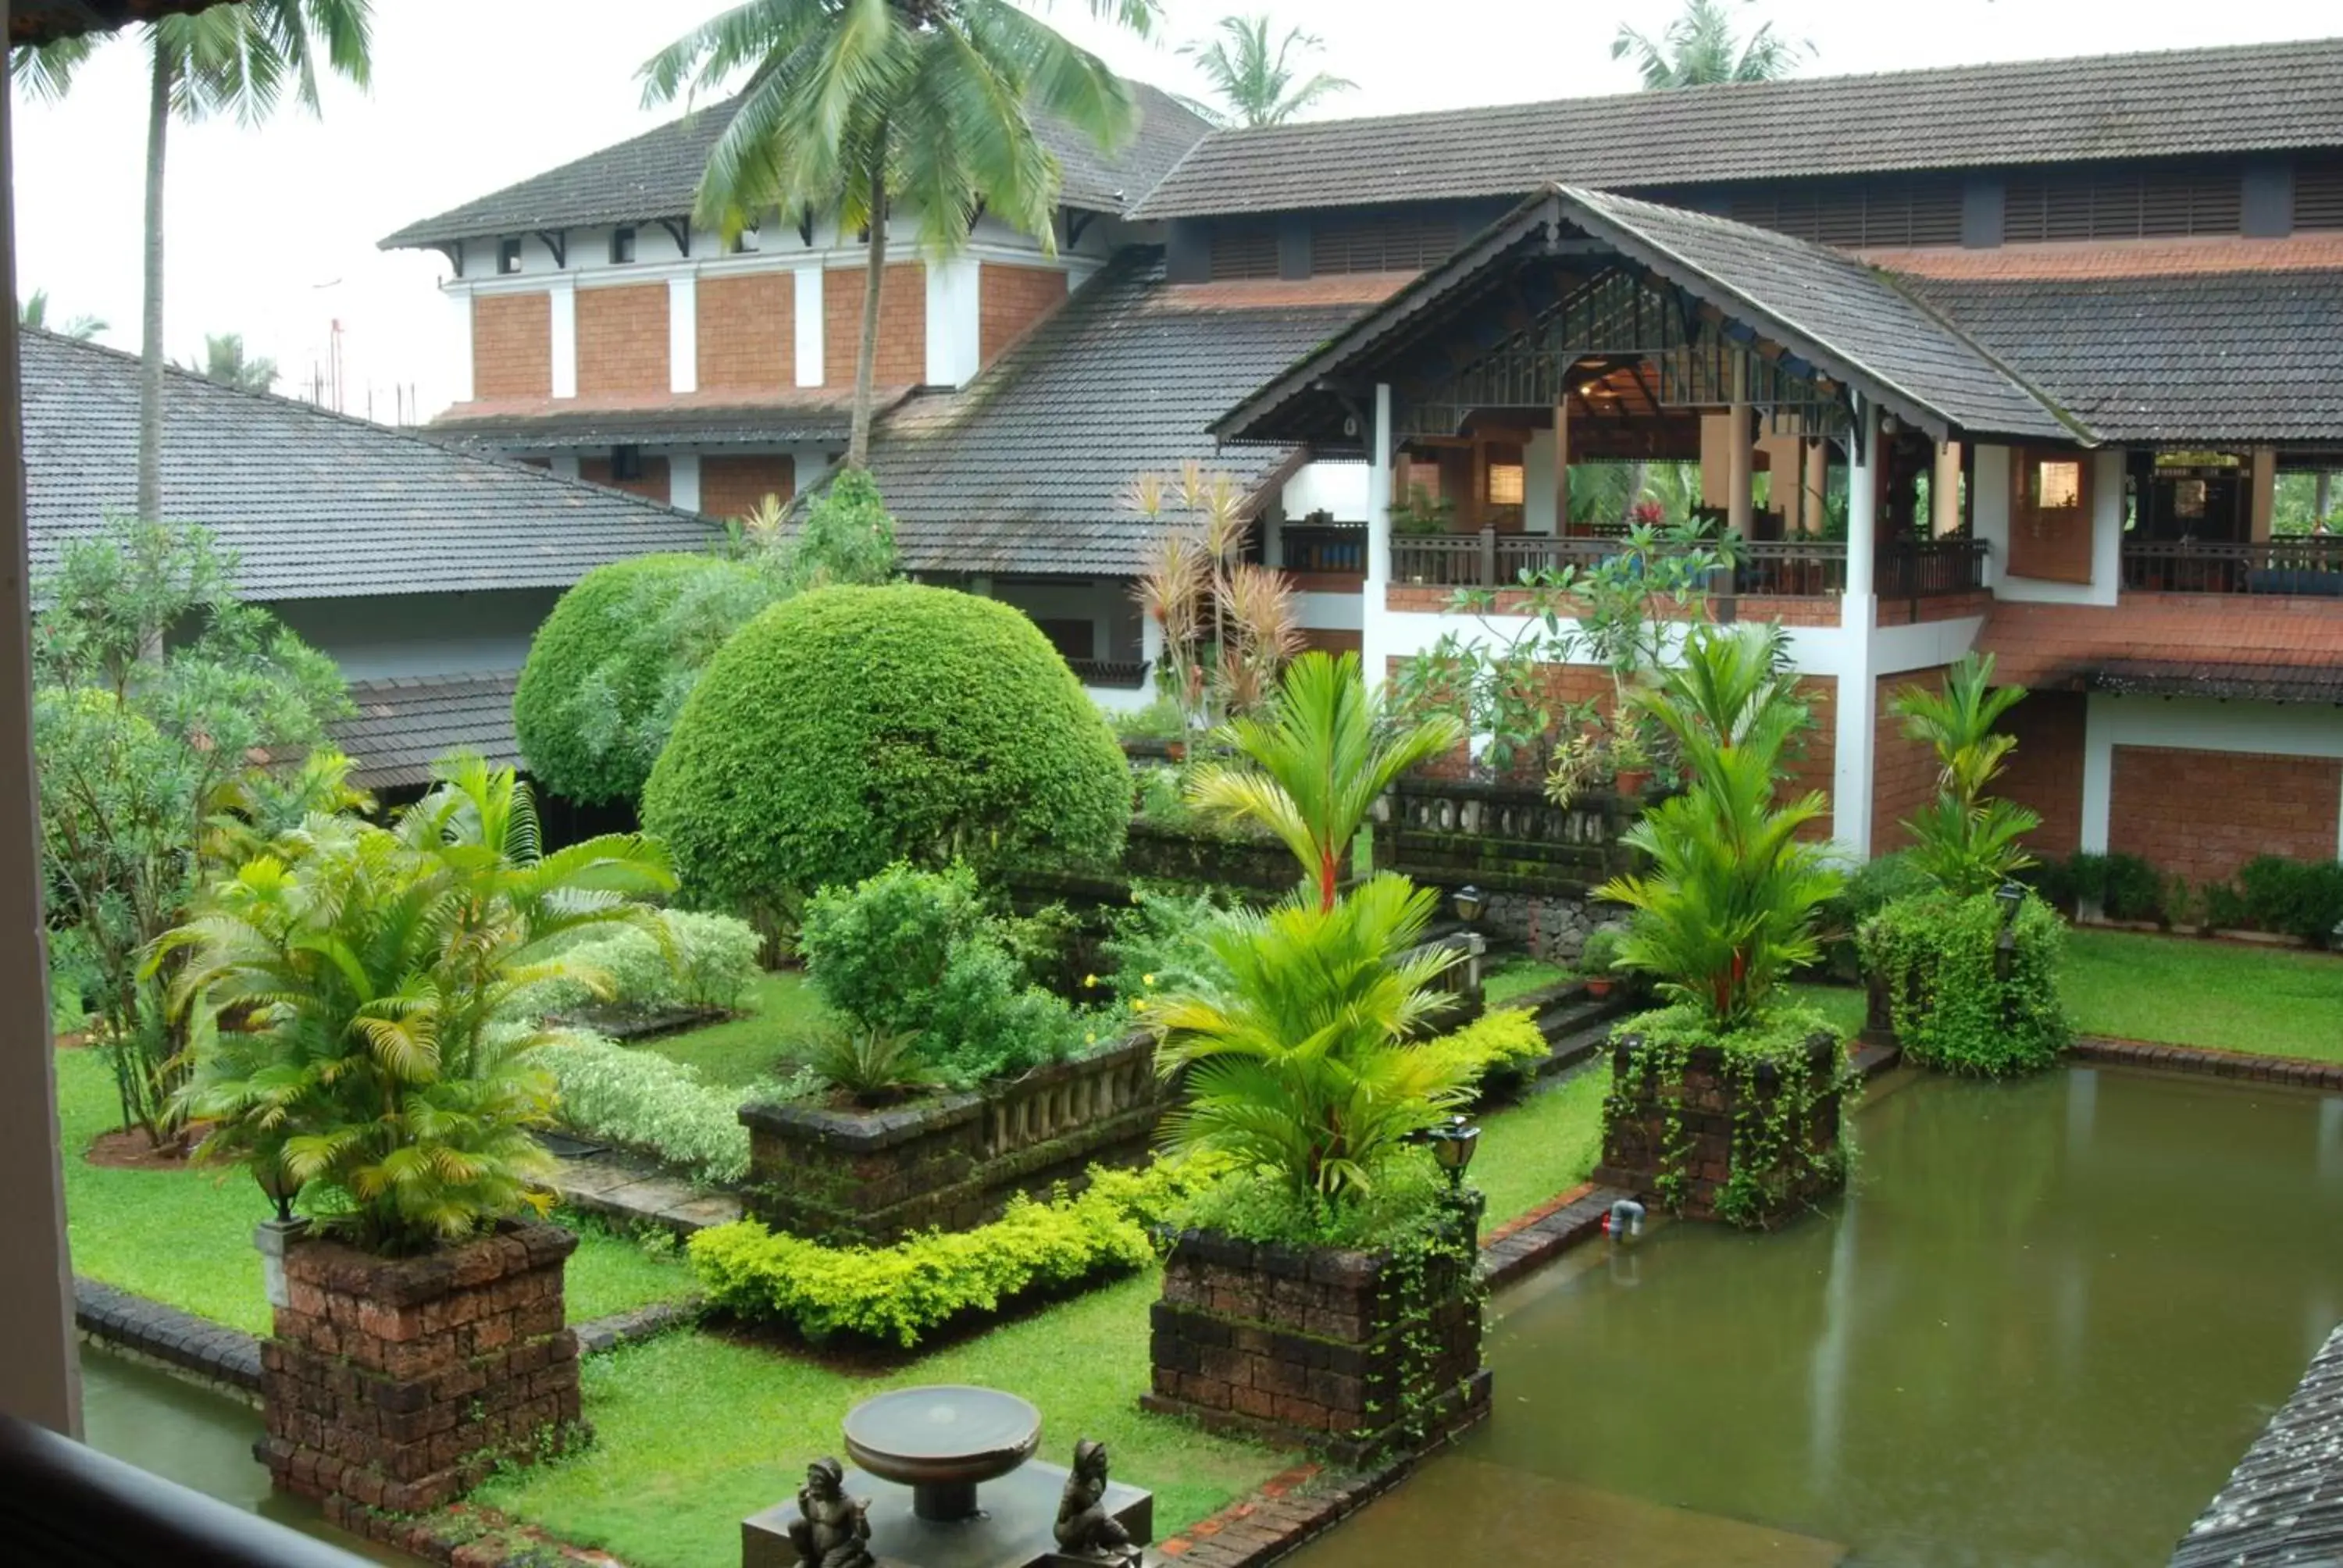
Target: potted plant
x=1631, y=758
x=1423, y=513
x=358, y=994
x=1596, y=958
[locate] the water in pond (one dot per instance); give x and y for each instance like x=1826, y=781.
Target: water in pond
x=197, y=1438
x=2041, y=1329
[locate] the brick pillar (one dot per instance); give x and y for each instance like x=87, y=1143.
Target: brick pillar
x=398, y=1384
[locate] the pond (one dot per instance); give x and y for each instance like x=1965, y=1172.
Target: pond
x=2040, y=1329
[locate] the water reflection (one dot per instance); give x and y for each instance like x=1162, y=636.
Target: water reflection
x=2073, y=1304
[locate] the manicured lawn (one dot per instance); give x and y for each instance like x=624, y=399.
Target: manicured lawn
x=746, y=1049
x=693, y=1433
x=184, y=1236
x=1541, y=1148
x=1843, y=1005
x=1518, y=976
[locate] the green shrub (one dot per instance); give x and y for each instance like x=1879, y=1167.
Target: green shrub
x=876, y=950
x=1161, y=719
x=2124, y=886
x=2225, y=908
x=851, y=728
x=611, y=667
x=869, y=1063
x=848, y=536
x=1870, y=887
x=1600, y=955
x=75, y=979
x=701, y=960
x=899, y=1294
x=642, y=1099
x=1405, y=1201
x=1160, y=943
x=2300, y=898
x=1938, y=957
x=1498, y=1051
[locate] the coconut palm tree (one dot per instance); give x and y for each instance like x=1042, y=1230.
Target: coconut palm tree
x=225, y=361
x=34, y=315
x=1258, y=81
x=1319, y=760
x=1701, y=48
x=851, y=105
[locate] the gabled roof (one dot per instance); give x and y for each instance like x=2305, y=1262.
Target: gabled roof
x=2284, y=1502
x=720, y=418
x=1019, y=472
x=315, y=503
x=2253, y=98
x=1827, y=308
x=403, y=725
x=655, y=175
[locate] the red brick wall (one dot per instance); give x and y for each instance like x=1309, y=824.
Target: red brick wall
x=729, y=487
x=1816, y=749
x=2038, y=644
x=1337, y=642
x=748, y=332
x=1903, y=770
x=622, y=339
x=902, y=357
x=512, y=345
x=2203, y=814
x=1008, y=299
x=2045, y=771
x=652, y=486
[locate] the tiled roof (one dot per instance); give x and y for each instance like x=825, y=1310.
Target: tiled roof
x=2201, y=357
x=718, y=419
x=656, y=174
x=2245, y=99
x=315, y=503
x=2073, y=259
x=2167, y=635
x=40, y=21
x=2284, y=1502
x=403, y=725
x=1020, y=471
x=2220, y=679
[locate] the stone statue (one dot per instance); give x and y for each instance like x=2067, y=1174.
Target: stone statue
x=833, y=1530
x=1085, y=1528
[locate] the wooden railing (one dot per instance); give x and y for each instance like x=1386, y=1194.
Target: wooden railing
x=1778, y=568
x=1331, y=549
x=2306, y=565
x=1919, y=569
x=1791, y=568
x=1128, y=674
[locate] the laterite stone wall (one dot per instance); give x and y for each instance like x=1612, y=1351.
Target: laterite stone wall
x=1638, y=1144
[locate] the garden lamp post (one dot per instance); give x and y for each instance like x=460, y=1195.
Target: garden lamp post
x=2010, y=896
x=274, y=1236
x=1453, y=1143
x=1469, y=904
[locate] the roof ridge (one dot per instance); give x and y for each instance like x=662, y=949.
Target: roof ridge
x=2056, y=409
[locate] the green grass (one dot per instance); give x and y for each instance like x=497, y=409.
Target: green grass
x=1540, y=1149
x=184, y=1236
x=746, y=1050
x=1843, y=1005
x=693, y=1433
x=1518, y=976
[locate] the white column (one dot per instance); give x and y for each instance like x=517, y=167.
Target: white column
x=1740, y=504
x=1989, y=508
x=1379, y=495
x=2099, y=773
x=2106, y=525
x=1813, y=506
x=809, y=324
x=1562, y=463
x=955, y=347
x=1855, y=607
x=459, y=299
x=683, y=335
x=1944, y=490
x=683, y=480
x=565, y=336
x=1857, y=713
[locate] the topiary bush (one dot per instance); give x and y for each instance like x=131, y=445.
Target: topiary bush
x=611, y=665
x=850, y=728
x=1938, y=956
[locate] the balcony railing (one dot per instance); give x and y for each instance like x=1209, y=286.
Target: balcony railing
x=2310, y=565
x=1919, y=569
x=1129, y=674
x=1331, y=549
x=1780, y=569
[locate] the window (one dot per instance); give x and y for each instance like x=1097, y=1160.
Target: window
x=622, y=247
x=2188, y=499
x=1506, y=487
x=507, y=255
x=626, y=462
x=2059, y=486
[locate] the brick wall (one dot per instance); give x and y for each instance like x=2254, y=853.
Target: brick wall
x=1331, y=640
x=652, y=486
x=1816, y=752
x=2045, y=771
x=2203, y=814
x=2038, y=644
x=512, y=345
x=1903, y=770
x=748, y=332
x=902, y=357
x=729, y=487
x=622, y=339
x=1011, y=298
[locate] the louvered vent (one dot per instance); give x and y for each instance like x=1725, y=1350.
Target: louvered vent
x=1379, y=242
x=1243, y=250
x=1858, y=215
x=2319, y=195
x=2124, y=204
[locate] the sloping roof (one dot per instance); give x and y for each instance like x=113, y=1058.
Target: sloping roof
x=2255, y=356
x=1018, y=472
x=1829, y=309
x=403, y=725
x=716, y=419
x=657, y=174
x=2172, y=644
x=2269, y=682
x=2252, y=98
x=316, y=505
x=42, y=20
x=2284, y=1502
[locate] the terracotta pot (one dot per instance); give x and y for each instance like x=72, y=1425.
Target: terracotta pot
x=1598, y=986
x=1177, y=750
x=1632, y=780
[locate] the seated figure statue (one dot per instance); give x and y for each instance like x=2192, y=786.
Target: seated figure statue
x=1085, y=1528
x=833, y=1530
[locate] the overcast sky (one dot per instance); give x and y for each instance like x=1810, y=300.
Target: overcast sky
x=272, y=230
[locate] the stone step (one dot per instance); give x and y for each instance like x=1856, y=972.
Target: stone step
x=610, y=1185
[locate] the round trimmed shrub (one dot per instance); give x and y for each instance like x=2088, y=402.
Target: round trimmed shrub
x=850, y=728
x=611, y=665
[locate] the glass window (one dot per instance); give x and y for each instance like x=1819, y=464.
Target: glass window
x=2059, y=486
x=508, y=256
x=622, y=247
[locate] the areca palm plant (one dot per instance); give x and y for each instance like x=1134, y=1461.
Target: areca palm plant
x=1298, y=1058
x=356, y=987
x=851, y=105
x=1728, y=907
x=1701, y=48
x=1261, y=83
x=1321, y=759
x=1966, y=840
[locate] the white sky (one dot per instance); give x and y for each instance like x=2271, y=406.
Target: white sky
x=272, y=231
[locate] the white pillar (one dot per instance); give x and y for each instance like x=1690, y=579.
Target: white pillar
x=564, y=295
x=1740, y=503
x=1945, y=491
x=1989, y=508
x=1561, y=462
x=1813, y=506
x=1852, y=763
x=1856, y=605
x=810, y=325
x=460, y=318
x=683, y=335
x=955, y=347
x=1379, y=492
x=2098, y=775
x=683, y=480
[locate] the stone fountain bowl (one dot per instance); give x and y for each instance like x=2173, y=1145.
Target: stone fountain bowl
x=941, y=1441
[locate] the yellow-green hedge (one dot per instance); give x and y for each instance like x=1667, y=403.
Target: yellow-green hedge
x=1498, y=1048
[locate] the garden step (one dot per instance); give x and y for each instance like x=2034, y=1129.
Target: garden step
x=1578, y=1028
x=611, y=1184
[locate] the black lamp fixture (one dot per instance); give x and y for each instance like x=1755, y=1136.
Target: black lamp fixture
x=1469, y=903
x=1453, y=1143
x=2010, y=896
x=279, y=1187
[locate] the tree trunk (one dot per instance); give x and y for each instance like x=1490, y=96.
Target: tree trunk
x=857, y=444
x=150, y=346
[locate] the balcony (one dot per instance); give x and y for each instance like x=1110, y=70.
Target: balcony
x=1784, y=569
x=1110, y=674
x=1324, y=549
x=2306, y=567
